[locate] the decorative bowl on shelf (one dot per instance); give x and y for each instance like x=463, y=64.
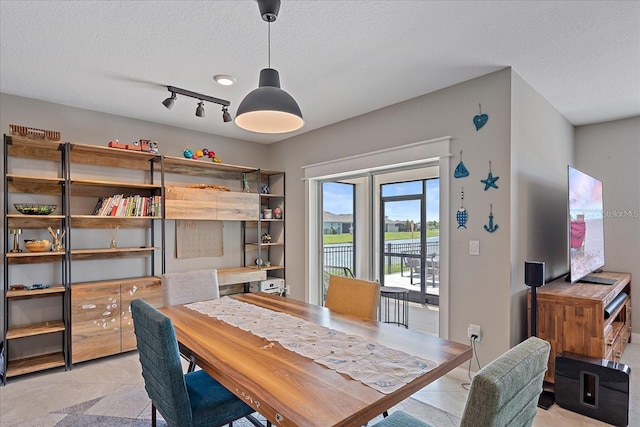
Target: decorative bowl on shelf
x=37, y=245
x=34, y=208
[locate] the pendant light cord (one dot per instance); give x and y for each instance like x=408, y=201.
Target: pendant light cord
x=269, y=50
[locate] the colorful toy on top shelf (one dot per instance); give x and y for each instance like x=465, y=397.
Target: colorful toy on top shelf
x=204, y=153
x=141, y=145
x=187, y=153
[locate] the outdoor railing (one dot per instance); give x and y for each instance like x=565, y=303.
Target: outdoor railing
x=342, y=255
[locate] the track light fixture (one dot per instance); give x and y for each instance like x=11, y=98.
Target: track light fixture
x=269, y=109
x=169, y=101
x=201, y=98
x=200, y=109
x=226, y=117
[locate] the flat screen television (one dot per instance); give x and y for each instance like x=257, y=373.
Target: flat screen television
x=586, y=227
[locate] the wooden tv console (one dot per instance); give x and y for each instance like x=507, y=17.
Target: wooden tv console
x=572, y=318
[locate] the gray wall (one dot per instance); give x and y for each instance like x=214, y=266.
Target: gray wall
x=479, y=285
x=611, y=152
x=541, y=148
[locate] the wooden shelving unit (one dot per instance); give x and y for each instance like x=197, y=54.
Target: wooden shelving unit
x=99, y=310
x=69, y=180
x=53, y=265
x=261, y=255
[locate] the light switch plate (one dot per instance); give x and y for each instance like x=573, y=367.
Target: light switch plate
x=474, y=247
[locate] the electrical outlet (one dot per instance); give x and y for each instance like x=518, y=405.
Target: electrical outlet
x=474, y=330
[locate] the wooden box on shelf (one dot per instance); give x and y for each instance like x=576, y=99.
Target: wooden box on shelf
x=209, y=204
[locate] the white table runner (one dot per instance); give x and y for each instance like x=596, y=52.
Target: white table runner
x=375, y=365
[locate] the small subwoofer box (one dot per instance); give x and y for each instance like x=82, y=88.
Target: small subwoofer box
x=597, y=388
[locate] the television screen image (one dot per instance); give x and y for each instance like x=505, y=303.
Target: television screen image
x=586, y=224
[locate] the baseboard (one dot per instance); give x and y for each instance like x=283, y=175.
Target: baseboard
x=635, y=338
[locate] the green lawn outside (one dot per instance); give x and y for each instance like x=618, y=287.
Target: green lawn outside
x=331, y=239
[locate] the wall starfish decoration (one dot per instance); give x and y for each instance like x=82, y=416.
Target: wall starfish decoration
x=491, y=180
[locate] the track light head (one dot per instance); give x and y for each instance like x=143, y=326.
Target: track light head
x=169, y=101
x=226, y=117
x=200, y=109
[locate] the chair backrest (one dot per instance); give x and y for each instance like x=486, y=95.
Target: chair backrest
x=189, y=286
x=506, y=391
x=161, y=366
x=356, y=297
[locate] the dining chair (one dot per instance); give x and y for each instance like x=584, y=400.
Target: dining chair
x=185, y=287
x=503, y=393
x=184, y=400
x=346, y=295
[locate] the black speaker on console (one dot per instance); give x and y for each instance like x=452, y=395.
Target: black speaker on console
x=597, y=388
x=534, y=273
x=534, y=278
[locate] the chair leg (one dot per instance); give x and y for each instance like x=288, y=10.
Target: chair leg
x=385, y=414
x=153, y=415
x=192, y=364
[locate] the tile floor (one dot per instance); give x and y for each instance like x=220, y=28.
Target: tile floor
x=35, y=396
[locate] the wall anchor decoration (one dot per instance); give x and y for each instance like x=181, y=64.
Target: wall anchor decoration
x=490, y=181
x=461, y=170
x=462, y=215
x=480, y=119
x=491, y=227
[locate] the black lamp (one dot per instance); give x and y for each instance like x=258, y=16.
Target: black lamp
x=269, y=109
x=534, y=278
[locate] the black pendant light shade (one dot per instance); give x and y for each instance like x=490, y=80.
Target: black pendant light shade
x=269, y=109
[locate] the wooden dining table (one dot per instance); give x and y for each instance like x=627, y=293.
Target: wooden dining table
x=291, y=390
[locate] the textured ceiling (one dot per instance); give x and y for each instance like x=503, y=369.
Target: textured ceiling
x=338, y=59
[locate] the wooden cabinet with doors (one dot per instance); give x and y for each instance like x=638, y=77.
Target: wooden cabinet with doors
x=584, y=318
x=101, y=315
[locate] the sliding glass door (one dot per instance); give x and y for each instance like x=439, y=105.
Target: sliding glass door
x=338, y=231
x=409, y=238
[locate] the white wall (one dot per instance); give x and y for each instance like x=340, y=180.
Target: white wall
x=611, y=152
x=541, y=149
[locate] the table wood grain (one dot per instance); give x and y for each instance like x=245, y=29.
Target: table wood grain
x=291, y=390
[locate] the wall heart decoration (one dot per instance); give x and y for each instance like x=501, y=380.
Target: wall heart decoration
x=480, y=119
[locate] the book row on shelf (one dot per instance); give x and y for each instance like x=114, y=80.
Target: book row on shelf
x=119, y=205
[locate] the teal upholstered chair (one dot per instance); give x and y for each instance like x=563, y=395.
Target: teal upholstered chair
x=504, y=393
x=190, y=400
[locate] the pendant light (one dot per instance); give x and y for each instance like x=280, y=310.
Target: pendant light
x=269, y=109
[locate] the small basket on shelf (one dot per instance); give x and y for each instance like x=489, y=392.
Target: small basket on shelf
x=37, y=245
x=35, y=208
